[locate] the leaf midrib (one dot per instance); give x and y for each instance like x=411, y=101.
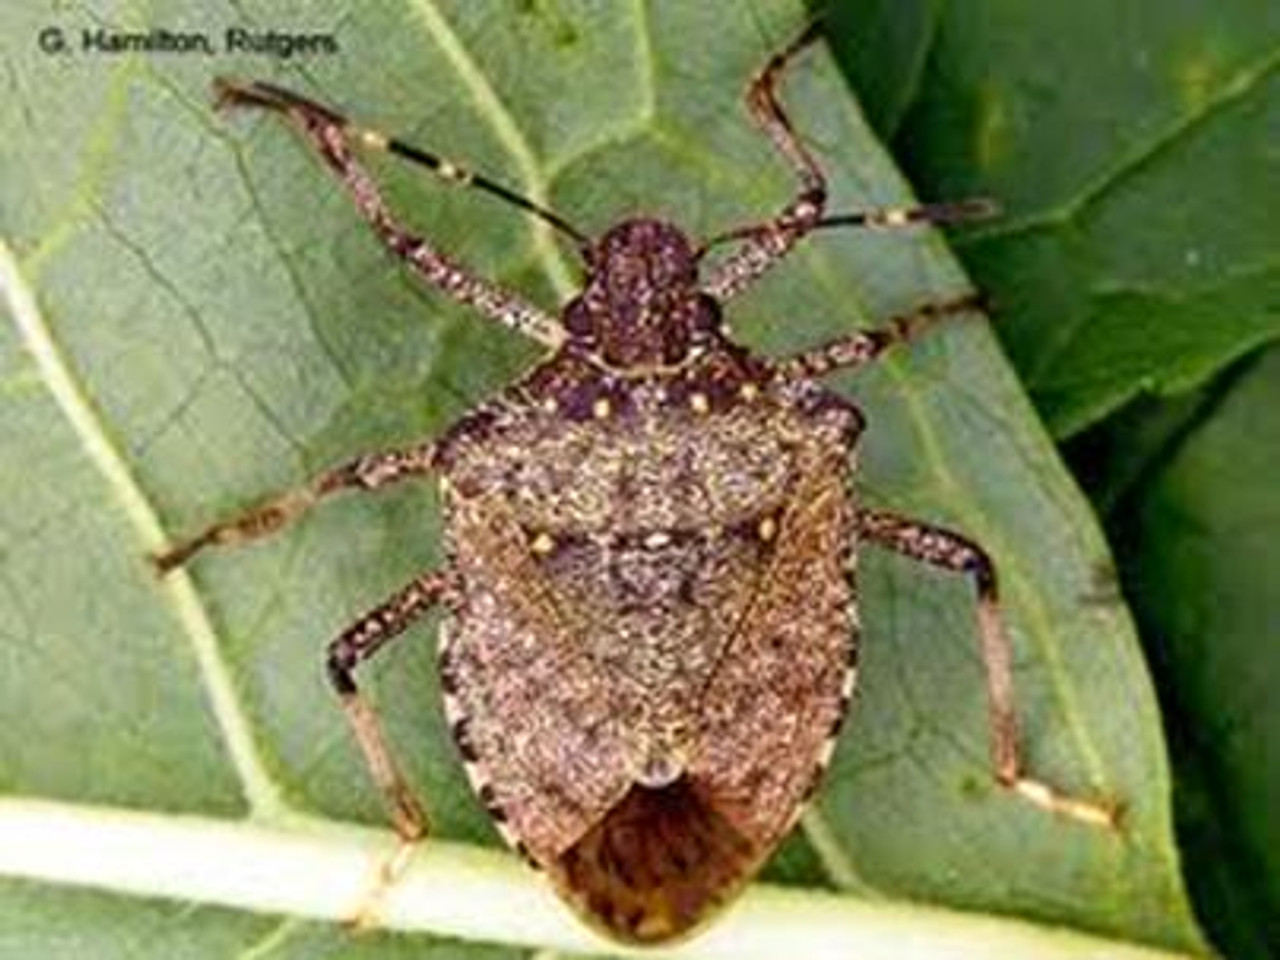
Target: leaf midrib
x=304, y=867
x=490, y=107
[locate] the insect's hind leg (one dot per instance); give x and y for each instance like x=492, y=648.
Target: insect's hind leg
x=356, y=644
x=950, y=551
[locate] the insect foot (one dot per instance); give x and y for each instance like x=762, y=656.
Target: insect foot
x=950, y=551
x=386, y=871
x=1093, y=813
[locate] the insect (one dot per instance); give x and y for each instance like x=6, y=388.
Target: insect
x=652, y=629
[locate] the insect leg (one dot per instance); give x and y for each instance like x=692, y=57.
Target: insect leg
x=861, y=348
x=358, y=643
x=767, y=243
x=950, y=551
x=333, y=137
x=369, y=472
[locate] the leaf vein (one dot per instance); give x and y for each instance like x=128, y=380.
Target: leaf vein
x=86, y=422
x=1243, y=83
x=509, y=135
x=836, y=862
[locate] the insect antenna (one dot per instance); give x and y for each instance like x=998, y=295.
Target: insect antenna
x=962, y=211
x=232, y=93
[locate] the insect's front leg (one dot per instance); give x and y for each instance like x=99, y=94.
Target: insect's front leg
x=865, y=346
x=765, y=244
x=950, y=551
x=369, y=472
x=333, y=136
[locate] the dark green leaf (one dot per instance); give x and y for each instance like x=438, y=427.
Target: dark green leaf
x=1133, y=148
x=1194, y=513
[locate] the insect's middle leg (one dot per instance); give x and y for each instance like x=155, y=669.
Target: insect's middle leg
x=865, y=346
x=370, y=472
x=942, y=548
x=353, y=646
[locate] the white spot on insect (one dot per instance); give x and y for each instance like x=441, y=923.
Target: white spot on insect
x=826, y=752
x=453, y=712
x=451, y=171
x=846, y=688
x=805, y=210
x=443, y=640
x=602, y=408
x=510, y=836
x=699, y=403
x=371, y=139
x=660, y=770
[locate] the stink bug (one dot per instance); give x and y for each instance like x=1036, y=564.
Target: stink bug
x=652, y=635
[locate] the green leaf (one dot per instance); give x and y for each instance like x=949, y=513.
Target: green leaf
x=1192, y=506
x=1133, y=151
x=195, y=317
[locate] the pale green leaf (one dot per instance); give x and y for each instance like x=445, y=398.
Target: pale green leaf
x=195, y=317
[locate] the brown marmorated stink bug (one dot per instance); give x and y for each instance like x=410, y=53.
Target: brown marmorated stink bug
x=651, y=537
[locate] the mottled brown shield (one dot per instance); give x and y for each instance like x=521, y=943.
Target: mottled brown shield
x=651, y=647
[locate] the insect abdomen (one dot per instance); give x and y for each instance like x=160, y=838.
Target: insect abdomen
x=656, y=866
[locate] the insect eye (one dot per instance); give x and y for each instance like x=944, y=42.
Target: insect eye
x=577, y=319
x=707, y=315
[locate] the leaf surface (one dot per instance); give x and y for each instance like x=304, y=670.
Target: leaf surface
x=196, y=317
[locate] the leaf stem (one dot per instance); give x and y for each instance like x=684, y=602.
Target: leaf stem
x=318, y=869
